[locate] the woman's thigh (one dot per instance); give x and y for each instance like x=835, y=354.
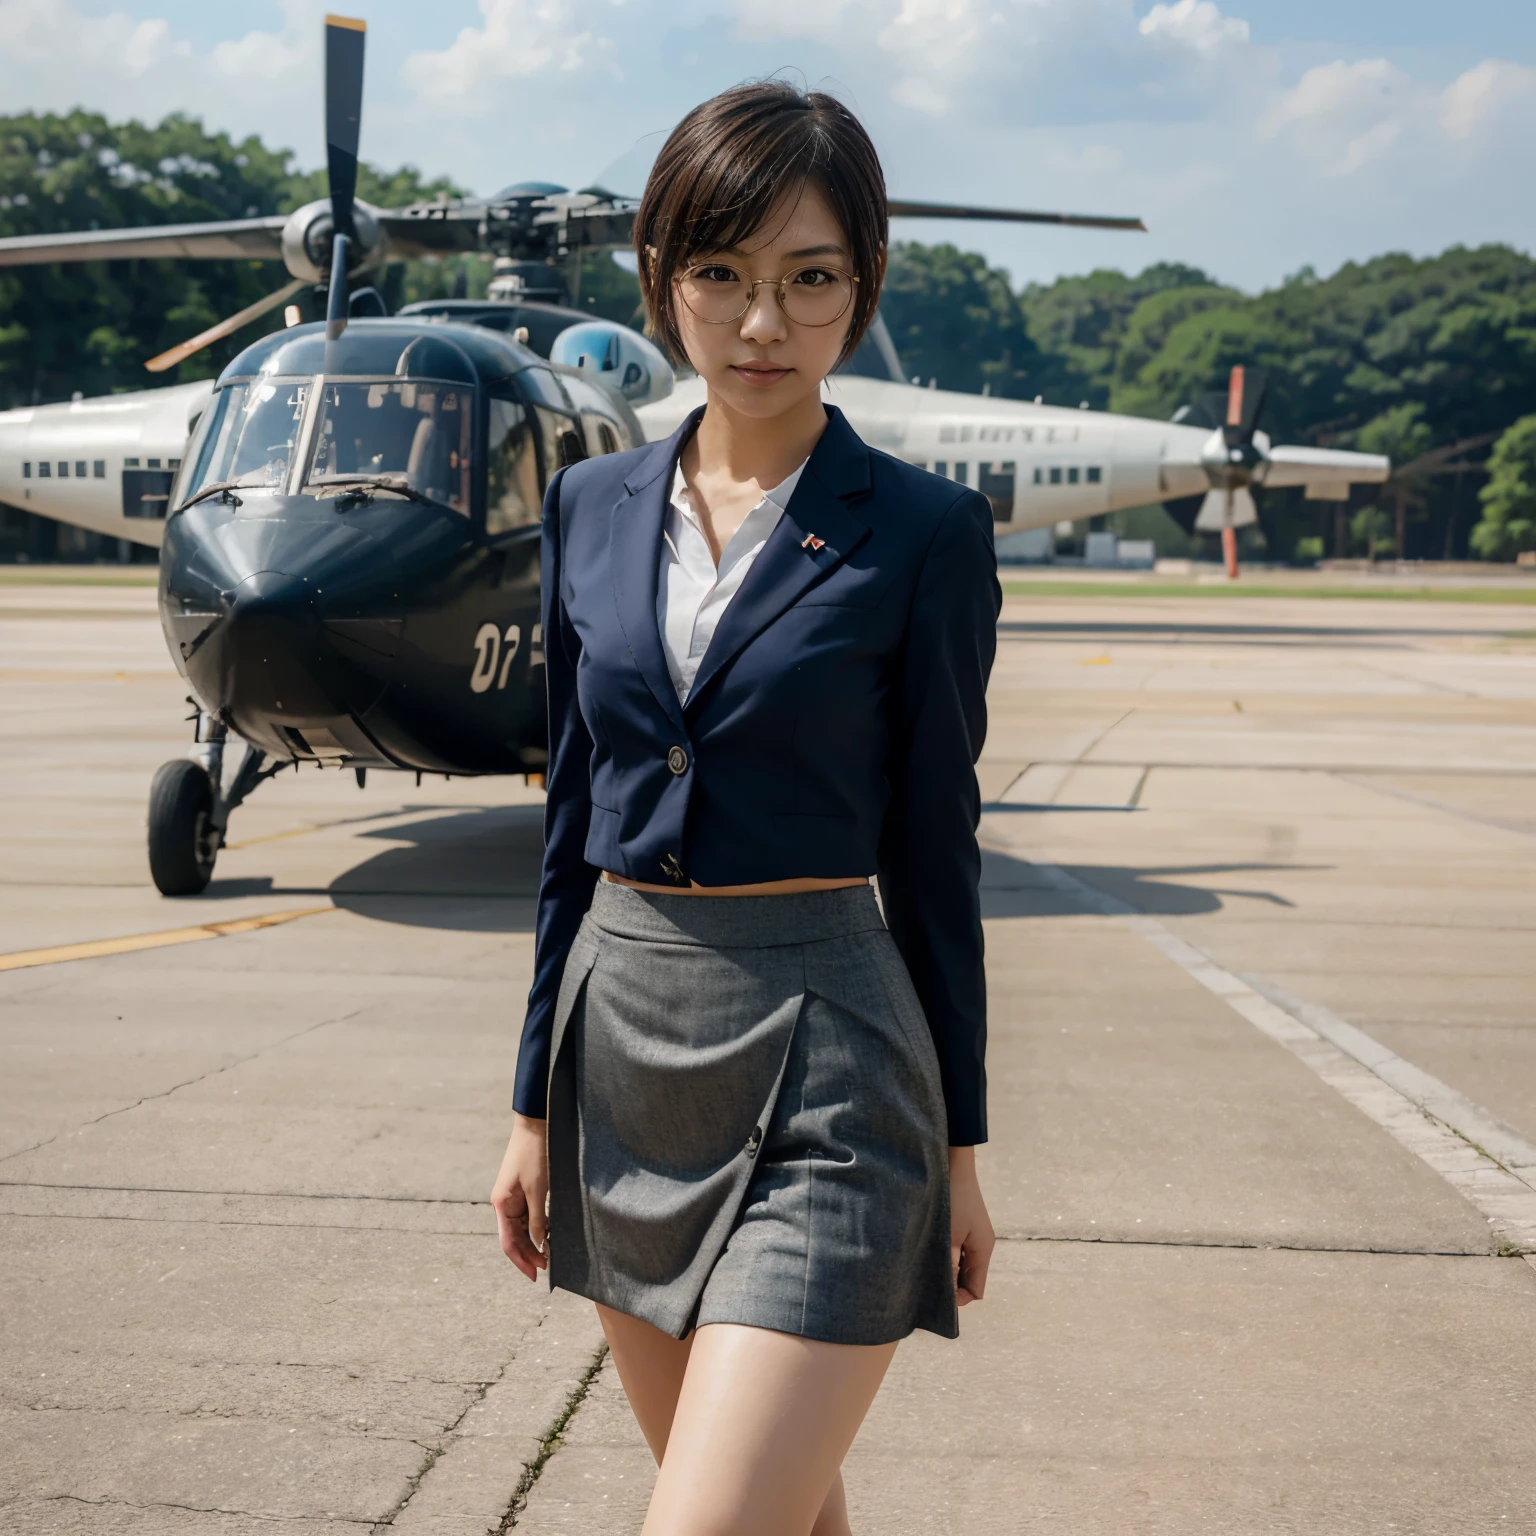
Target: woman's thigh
x=651, y=1365
x=760, y=1428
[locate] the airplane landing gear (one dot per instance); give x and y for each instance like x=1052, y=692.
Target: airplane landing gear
x=190, y=806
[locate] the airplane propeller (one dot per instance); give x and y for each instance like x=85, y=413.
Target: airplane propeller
x=1235, y=458
x=344, y=40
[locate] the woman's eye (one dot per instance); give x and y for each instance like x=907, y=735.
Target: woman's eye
x=813, y=277
x=716, y=274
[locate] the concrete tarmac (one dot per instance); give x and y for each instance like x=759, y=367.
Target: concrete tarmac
x=1260, y=909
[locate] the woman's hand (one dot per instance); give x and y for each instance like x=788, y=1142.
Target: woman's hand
x=971, y=1238
x=520, y=1196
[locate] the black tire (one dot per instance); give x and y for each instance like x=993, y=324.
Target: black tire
x=182, y=842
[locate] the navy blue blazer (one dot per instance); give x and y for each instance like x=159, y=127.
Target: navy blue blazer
x=832, y=730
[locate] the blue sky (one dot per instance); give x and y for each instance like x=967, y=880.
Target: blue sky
x=1255, y=136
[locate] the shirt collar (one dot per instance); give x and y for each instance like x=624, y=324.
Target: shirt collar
x=779, y=494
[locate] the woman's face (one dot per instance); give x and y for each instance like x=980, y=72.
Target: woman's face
x=766, y=363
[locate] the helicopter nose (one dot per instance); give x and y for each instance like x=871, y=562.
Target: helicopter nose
x=272, y=655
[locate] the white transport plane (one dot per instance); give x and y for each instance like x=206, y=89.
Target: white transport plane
x=108, y=464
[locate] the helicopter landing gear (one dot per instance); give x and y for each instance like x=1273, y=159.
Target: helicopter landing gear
x=190, y=806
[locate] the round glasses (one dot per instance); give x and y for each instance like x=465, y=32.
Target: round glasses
x=719, y=293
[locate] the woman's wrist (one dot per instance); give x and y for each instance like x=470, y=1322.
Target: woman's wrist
x=962, y=1162
x=528, y=1123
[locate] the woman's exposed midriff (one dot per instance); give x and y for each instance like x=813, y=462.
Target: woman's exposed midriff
x=796, y=887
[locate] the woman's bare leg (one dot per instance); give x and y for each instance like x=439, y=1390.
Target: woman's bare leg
x=651, y=1366
x=759, y=1431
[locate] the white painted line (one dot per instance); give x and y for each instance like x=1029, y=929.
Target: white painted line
x=1464, y=1144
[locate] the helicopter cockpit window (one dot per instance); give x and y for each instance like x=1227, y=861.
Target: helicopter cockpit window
x=417, y=430
x=511, y=469
x=251, y=430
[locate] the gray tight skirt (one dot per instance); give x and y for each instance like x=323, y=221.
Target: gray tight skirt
x=746, y=1123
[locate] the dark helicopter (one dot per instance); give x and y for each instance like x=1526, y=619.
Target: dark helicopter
x=350, y=568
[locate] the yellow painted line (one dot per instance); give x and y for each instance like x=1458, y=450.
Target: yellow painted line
x=95, y=949
x=272, y=837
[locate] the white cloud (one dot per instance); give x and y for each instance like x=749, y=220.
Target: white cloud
x=1345, y=116
x=53, y=37
x=519, y=39
x=1196, y=24
x=1478, y=96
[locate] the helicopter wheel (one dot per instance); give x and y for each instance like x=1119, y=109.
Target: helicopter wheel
x=183, y=841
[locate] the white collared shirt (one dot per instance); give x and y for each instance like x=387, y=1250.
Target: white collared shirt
x=692, y=593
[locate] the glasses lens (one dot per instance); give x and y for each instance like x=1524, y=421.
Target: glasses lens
x=715, y=292
x=817, y=295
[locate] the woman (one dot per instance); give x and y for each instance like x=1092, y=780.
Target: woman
x=767, y=650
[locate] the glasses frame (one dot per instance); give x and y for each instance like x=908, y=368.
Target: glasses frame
x=769, y=282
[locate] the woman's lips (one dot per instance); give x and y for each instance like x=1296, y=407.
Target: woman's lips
x=758, y=374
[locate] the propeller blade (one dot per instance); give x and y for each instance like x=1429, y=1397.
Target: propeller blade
x=909, y=210
x=185, y=349
x=344, y=38
x=222, y=240
x=336, y=304
x=1246, y=390
x=1227, y=509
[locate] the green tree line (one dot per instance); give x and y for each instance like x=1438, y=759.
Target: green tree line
x=1428, y=360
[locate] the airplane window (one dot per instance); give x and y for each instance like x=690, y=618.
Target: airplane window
x=420, y=429
x=946, y=434
x=1038, y=476
x=130, y=463
x=80, y=469
x=962, y=474
x=63, y=469
x=1095, y=474
x=1055, y=477
x=44, y=470
x=252, y=429
x=511, y=470
x=1072, y=475
x=99, y=469
x=919, y=463
x=1026, y=434
x=941, y=467
x=995, y=482
x=965, y=434
x=26, y=470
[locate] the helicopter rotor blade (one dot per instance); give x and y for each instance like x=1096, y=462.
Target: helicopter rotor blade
x=903, y=209
x=185, y=349
x=344, y=39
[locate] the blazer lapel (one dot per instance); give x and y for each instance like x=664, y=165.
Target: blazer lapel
x=817, y=532
x=634, y=558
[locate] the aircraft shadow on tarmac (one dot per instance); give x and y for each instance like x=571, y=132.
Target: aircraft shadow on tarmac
x=478, y=870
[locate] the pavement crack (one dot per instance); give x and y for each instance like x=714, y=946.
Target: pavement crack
x=551, y=1442
x=1254, y=1245
x=165, y=1093
x=436, y=1451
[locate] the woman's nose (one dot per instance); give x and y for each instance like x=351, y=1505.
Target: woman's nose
x=764, y=319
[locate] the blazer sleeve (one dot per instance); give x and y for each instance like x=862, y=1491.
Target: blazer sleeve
x=929, y=862
x=567, y=880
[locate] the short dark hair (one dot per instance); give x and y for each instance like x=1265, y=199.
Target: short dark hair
x=725, y=167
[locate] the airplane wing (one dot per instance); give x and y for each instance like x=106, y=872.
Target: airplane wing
x=1324, y=466
x=251, y=239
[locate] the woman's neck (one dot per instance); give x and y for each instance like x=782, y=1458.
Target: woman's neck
x=754, y=448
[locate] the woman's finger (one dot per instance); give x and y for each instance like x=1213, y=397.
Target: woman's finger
x=974, y=1263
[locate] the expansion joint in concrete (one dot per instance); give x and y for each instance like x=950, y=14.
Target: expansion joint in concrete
x=165, y=1093
x=200, y=1509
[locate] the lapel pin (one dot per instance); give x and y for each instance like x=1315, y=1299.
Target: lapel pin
x=811, y=542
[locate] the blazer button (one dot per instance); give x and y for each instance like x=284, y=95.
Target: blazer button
x=677, y=760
